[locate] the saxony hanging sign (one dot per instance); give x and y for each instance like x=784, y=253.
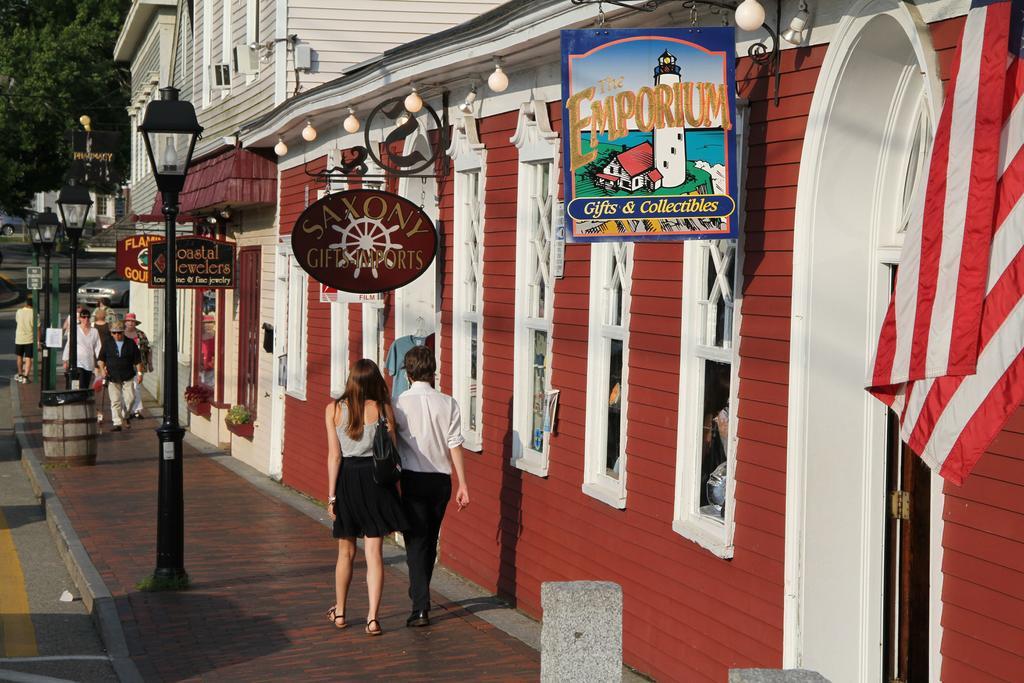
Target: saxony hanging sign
x=364, y=241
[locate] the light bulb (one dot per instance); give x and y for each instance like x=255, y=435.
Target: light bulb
x=795, y=34
x=403, y=119
x=413, y=102
x=750, y=15
x=351, y=123
x=280, y=149
x=309, y=132
x=497, y=81
x=170, y=155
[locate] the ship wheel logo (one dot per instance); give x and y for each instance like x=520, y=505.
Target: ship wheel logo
x=361, y=240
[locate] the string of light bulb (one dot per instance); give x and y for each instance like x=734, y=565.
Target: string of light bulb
x=497, y=81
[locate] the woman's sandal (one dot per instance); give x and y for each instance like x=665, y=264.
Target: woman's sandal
x=373, y=632
x=333, y=616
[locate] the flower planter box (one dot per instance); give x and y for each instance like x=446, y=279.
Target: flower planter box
x=244, y=430
x=202, y=409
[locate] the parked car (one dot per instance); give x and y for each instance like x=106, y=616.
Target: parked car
x=111, y=285
x=11, y=224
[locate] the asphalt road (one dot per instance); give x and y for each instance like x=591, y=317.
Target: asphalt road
x=42, y=639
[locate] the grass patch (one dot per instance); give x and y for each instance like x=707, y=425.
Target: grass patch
x=152, y=584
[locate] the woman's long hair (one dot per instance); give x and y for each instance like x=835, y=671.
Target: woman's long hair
x=365, y=383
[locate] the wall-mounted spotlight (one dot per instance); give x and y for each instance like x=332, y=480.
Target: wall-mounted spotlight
x=467, y=106
x=796, y=33
x=351, y=122
x=413, y=102
x=498, y=80
x=309, y=132
x=280, y=149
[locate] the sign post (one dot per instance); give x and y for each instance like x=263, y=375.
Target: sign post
x=649, y=144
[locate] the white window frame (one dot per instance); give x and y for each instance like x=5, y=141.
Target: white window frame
x=339, y=347
x=596, y=482
x=373, y=332
x=537, y=144
x=469, y=159
x=298, y=306
x=712, y=534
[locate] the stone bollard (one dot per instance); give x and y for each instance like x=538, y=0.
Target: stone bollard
x=581, y=632
x=775, y=676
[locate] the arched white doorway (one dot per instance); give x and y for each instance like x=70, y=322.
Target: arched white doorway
x=869, y=122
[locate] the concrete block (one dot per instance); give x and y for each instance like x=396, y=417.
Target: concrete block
x=775, y=676
x=581, y=632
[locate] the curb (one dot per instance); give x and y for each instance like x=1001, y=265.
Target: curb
x=95, y=594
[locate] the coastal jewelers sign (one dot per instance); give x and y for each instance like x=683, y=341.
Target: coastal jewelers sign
x=200, y=263
x=648, y=134
x=364, y=241
x=133, y=257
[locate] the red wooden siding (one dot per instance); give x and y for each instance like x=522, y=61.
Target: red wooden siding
x=305, y=442
x=708, y=614
x=983, y=534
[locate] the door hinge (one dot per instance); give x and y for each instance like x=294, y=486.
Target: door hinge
x=899, y=508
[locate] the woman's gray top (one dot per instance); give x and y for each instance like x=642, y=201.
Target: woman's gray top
x=363, y=448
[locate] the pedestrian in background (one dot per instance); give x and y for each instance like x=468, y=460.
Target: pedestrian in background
x=430, y=442
x=357, y=504
x=132, y=331
x=103, y=307
x=120, y=365
x=88, y=348
x=24, y=340
x=99, y=323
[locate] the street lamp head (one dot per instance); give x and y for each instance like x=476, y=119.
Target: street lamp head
x=74, y=204
x=170, y=130
x=45, y=227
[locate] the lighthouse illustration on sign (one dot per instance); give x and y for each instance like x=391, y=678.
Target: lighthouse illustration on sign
x=648, y=167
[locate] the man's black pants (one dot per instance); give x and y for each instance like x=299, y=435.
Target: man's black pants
x=425, y=496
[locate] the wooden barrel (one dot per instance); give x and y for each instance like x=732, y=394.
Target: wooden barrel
x=69, y=427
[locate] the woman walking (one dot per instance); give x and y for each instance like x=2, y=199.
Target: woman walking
x=358, y=505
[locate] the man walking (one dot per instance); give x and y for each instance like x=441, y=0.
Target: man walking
x=430, y=443
x=24, y=340
x=121, y=364
x=88, y=348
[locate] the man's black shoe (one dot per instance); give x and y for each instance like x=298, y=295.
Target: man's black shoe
x=418, y=618
x=116, y=429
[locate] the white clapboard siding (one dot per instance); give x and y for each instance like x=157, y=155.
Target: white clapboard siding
x=343, y=33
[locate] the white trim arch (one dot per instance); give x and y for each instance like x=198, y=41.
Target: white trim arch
x=871, y=32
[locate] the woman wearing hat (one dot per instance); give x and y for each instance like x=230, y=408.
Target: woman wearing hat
x=132, y=331
x=121, y=365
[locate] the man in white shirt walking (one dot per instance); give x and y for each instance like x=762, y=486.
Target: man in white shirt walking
x=429, y=428
x=88, y=349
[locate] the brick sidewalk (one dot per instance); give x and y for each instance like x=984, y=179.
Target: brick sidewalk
x=262, y=578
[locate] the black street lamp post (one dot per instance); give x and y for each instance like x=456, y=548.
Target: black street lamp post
x=170, y=130
x=44, y=228
x=74, y=204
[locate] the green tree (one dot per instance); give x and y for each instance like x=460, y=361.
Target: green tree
x=56, y=63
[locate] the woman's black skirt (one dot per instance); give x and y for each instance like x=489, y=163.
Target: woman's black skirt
x=363, y=507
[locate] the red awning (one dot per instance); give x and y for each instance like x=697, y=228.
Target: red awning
x=238, y=177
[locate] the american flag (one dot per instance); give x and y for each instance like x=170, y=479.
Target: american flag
x=950, y=358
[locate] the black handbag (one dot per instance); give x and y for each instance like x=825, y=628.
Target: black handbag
x=387, y=464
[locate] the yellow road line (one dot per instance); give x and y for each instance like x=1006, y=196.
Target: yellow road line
x=19, y=636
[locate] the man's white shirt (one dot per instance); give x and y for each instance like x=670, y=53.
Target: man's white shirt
x=429, y=423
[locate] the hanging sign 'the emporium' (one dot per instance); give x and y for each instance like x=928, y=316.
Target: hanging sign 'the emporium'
x=648, y=136
x=364, y=241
